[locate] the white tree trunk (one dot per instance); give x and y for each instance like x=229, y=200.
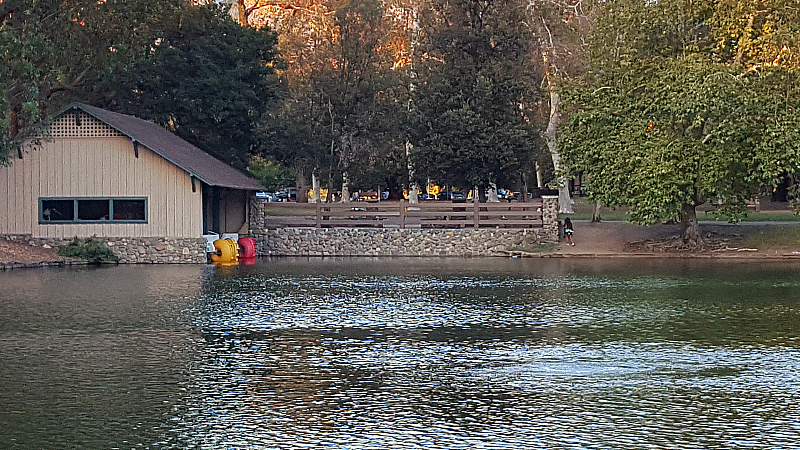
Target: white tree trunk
x=345, y=188
x=315, y=186
x=539, y=179
x=550, y=135
x=413, y=188
x=491, y=194
x=596, y=214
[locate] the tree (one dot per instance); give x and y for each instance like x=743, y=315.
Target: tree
x=470, y=115
x=270, y=174
x=53, y=52
x=307, y=29
x=560, y=29
x=340, y=120
x=671, y=114
x=209, y=80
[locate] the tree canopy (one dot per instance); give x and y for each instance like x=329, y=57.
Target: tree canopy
x=52, y=52
x=191, y=69
x=471, y=107
x=680, y=109
x=341, y=120
x=209, y=80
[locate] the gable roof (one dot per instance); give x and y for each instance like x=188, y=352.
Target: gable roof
x=169, y=146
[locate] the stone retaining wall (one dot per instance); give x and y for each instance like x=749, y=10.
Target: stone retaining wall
x=397, y=242
x=147, y=250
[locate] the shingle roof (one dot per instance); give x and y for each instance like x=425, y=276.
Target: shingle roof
x=169, y=146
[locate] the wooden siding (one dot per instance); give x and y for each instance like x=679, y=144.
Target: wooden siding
x=98, y=167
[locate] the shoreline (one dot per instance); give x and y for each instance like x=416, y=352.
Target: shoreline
x=655, y=255
x=602, y=240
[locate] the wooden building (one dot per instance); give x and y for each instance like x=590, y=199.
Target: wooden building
x=99, y=173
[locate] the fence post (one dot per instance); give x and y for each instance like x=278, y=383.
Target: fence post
x=319, y=214
x=477, y=212
x=402, y=214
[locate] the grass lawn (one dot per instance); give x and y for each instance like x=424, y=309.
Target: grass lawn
x=768, y=216
x=583, y=211
x=775, y=237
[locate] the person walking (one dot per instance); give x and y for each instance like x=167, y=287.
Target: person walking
x=568, y=231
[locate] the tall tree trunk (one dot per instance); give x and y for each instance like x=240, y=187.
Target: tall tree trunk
x=241, y=15
x=525, y=188
x=690, y=226
x=539, y=176
x=596, y=212
x=315, y=188
x=345, y=188
x=413, y=188
x=302, y=187
x=551, y=135
x=491, y=194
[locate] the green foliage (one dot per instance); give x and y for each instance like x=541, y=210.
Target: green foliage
x=191, y=69
x=209, y=80
x=663, y=121
x=54, y=52
x=343, y=116
x=472, y=104
x=758, y=33
x=90, y=249
x=270, y=174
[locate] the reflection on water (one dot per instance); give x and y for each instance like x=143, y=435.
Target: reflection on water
x=403, y=353
x=94, y=358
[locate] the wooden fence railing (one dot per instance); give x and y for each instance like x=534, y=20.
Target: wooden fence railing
x=402, y=214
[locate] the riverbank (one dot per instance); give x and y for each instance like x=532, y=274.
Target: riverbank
x=14, y=255
x=623, y=239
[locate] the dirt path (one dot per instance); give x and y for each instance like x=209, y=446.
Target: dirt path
x=611, y=239
x=20, y=254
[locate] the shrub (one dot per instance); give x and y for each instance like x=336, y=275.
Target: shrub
x=89, y=249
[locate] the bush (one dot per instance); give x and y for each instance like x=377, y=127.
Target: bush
x=90, y=249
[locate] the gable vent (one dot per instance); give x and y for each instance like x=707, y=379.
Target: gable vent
x=86, y=125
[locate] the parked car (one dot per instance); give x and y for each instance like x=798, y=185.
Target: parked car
x=288, y=194
x=369, y=196
x=458, y=197
x=268, y=196
x=505, y=194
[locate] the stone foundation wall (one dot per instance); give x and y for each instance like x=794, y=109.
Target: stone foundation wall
x=148, y=250
x=397, y=242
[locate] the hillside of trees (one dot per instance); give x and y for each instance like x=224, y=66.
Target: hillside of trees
x=660, y=106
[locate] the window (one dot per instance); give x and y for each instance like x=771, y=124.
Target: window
x=92, y=210
x=129, y=209
x=57, y=210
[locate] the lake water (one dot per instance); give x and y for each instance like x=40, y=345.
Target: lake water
x=403, y=354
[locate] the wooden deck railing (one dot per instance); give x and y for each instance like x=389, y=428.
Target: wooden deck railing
x=401, y=214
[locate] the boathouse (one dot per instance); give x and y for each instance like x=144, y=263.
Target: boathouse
x=146, y=192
